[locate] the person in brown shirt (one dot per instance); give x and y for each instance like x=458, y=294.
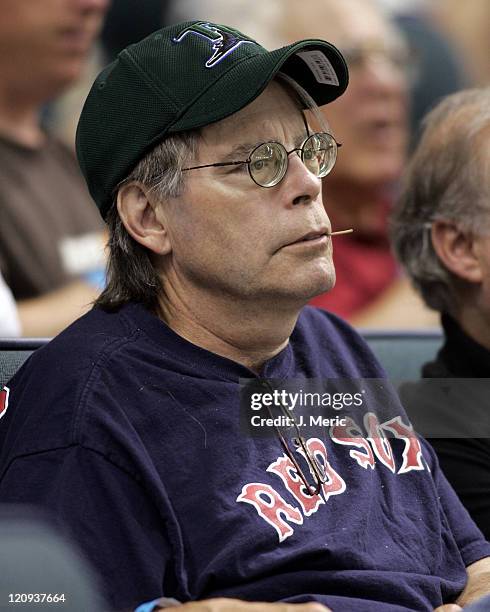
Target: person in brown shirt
x=51, y=241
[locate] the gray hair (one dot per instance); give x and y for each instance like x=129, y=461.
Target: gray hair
x=447, y=179
x=131, y=273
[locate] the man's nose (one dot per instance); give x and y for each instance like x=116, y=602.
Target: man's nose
x=301, y=186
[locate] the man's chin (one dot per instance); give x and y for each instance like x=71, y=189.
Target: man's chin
x=324, y=285
x=306, y=291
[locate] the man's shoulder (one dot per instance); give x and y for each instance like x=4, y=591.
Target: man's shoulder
x=80, y=354
x=327, y=335
x=48, y=396
x=85, y=341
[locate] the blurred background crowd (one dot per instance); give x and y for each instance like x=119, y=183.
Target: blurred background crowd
x=404, y=56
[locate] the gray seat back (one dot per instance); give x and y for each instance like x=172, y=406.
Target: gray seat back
x=403, y=353
x=13, y=353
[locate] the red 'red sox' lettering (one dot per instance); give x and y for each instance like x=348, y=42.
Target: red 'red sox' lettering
x=274, y=509
x=335, y=484
x=278, y=513
x=412, y=453
x=351, y=435
x=285, y=469
x=271, y=507
x=381, y=445
x=4, y=400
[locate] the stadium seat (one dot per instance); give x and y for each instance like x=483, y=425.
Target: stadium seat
x=38, y=559
x=403, y=353
x=13, y=353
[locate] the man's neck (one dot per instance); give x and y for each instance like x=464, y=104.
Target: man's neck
x=244, y=331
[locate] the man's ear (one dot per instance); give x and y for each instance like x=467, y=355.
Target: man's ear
x=456, y=249
x=138, y=212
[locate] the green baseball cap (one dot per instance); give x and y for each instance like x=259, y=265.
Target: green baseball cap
x=183, y=77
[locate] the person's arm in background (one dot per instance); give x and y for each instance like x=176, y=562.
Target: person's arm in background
x=9, y=317
x=48, y=314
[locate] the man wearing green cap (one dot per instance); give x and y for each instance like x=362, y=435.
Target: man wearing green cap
x=205, y=154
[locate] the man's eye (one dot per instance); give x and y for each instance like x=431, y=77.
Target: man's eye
x=258, y=164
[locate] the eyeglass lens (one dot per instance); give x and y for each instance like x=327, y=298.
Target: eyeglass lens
x=269, y=161
x=268, y=164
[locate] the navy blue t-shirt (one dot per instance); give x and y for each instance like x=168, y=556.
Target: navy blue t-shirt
x=130, y=436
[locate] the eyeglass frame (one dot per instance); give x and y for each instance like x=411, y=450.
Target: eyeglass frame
x=288, y=153
x=313, y=464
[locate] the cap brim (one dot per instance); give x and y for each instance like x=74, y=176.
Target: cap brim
x=247, y=79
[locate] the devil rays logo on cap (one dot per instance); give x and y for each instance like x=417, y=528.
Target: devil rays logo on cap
x=4, y=400
x=223, y=41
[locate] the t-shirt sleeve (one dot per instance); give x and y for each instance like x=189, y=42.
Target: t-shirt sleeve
x=105, y=511
x=465, y=463
x=470, y=540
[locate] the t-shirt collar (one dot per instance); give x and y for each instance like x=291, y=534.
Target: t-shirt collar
x=209, y=363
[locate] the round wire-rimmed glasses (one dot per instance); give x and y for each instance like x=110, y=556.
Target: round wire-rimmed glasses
x=268, y=162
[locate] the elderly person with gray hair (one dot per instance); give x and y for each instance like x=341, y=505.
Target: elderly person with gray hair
x=441, y=234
